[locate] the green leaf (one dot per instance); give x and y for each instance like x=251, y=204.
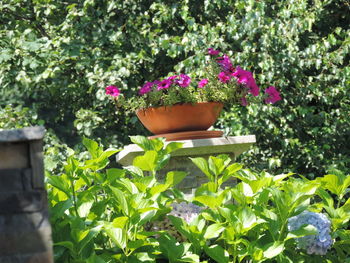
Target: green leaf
x=216, y=165
x=59, y=209
x=147, y=162
x=147, y=144
x=66, y=244
x=134, y=171
x=145, y=183
x=92, y=147
x=60, y=182
x=120, y=222
x=120, y=196
x=273, y=249
x=213, y=231
x=84, y=208
x=229, y=172
x=175, y=177
x=173, y=146
x=247, y=217
x=95, y=259
x=217, y=253
x=202, y=164
x=117, y=235
x=210, y=201
x=113, y=174
x=304, y=230
x=159, y=189
x=88, y=238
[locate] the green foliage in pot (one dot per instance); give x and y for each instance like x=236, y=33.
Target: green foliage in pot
x=102, y=214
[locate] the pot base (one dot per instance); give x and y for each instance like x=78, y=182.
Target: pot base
x=188, y=135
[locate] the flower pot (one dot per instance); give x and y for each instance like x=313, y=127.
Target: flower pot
x=180, y=117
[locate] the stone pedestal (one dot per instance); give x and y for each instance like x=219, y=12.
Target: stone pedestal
x=232, y=145
x=25, y=231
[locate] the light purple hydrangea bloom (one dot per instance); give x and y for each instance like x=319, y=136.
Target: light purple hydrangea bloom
x=313, y=244
x=186, y=211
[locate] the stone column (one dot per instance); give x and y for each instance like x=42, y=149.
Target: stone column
x=232, y=145
x=25, y=232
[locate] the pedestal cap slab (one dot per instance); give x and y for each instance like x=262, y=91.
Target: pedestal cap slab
x=232, y=145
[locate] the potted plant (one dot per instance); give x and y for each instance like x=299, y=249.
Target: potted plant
x=179, y=103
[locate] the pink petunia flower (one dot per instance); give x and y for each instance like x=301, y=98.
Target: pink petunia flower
x=213, y=52
x=223, y=77
x=202, y=83
x=171, y=78
x=225, y=63
x=184, y=81
x=246, y=77
x=147, y=87
x=273, y=95
x=164, y=84
x=113, y=91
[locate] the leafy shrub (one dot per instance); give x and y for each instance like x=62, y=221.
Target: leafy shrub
x=58, y=56
x=102, y=214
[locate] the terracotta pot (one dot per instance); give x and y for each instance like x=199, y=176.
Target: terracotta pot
x=180, y=117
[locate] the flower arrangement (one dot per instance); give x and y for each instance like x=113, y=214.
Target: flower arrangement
x=222, y=82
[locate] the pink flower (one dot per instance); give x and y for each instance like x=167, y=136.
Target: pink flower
x=184, y=81
x=147, y=87
x=202, y=83
x=113, y=91
x=213, y=52
x=223, y=77
x=273, y=95
x=164, y=84
x=246, y=77
x=244, y=101
x=225, y=63
x=171, y=78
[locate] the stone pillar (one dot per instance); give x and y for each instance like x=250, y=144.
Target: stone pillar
x=232, y=145
x=25, y=232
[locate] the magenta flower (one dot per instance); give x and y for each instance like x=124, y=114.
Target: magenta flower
x=184, y=81
x=113, y=91
x=202, y=83
x=273, y=95
x=225, y=63
x=213, y=52
x=223, y=77
x=246, y=77
x=147, y=87
x=171, y=78
x=164, y=84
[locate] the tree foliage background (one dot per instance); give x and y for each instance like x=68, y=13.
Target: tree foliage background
x=56, y=57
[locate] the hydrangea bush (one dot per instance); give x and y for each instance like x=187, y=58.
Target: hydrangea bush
x=102, y=214
x=222, y=82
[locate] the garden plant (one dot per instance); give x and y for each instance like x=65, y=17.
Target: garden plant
x=221, y=82
x=102, y=214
